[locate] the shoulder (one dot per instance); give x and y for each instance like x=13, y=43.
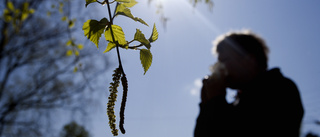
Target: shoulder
x=275, y=75
x=286, y=92
x=283, y=85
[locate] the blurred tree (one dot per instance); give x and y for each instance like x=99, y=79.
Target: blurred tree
x=74, y=130
x=40, y=68
x=160, y=10
x=208, y=2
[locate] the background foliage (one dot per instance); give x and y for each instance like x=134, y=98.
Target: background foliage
x=42, y=66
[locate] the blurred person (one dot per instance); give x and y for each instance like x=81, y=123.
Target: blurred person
x=267, y=103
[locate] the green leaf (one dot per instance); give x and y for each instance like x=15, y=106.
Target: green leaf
x=146, y=59
x=75, y=69
x=80, y=46
x=60, y=7
x=17, y=11
x=25, y=6
x=76, y=53
x=71, y=23
x=117, y=33
x=104, y=22
x=7, y=15
x=25, y=11
x=10, y=6
x=31, y=11
x=69, y=42
x=141, y=21
x=90, y=1
x=154, y=35
x=93, y=29
x=130, y=4
x=64, y=18
x=123, y=10
x=110, y=47
x=139, y=36
x=69, y=52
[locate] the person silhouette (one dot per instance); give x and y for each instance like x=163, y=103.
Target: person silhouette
x=267, y=103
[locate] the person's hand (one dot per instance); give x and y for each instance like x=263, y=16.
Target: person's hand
x=214, y=85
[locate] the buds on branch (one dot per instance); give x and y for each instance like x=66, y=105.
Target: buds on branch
x=93, y=29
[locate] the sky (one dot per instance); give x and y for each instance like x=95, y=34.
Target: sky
x=164, y=102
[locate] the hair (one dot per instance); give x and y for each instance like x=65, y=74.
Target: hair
x=244, y=42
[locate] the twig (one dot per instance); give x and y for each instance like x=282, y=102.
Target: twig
x=113, y=39
x=123, y=78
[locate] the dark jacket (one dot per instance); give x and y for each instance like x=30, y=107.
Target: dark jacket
x=271, y=107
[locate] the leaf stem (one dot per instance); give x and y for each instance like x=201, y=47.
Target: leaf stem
x=100, y=2
x=113, y=39
x=131, y=41
x=112, y=1
x=135, y=47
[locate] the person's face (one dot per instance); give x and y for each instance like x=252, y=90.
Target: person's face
x=241, y=67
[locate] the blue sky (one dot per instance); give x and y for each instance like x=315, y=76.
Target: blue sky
x=164, y=102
